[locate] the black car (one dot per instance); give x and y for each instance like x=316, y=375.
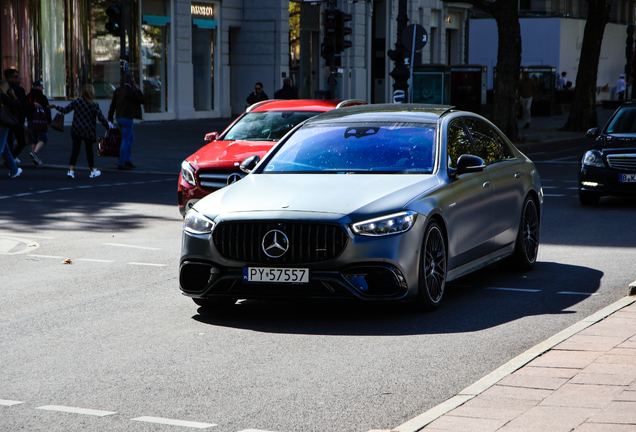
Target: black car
x=609, y=165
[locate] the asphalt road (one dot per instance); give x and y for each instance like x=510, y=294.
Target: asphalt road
x=108, y=343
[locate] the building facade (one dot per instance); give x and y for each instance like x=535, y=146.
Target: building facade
x=201, y=58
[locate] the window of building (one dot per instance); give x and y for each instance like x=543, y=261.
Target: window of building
x=204, y=28
x=155, y=37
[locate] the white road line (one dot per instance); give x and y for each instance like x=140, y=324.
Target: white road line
x=550, y=187
x=254, y=430
x=23, y=194
x=74, y=410
x=5, y=402
x=4, y=197
x=46, y=256
x=578, y=293
x=146, y=264
x=131, y=246
x=94, y=260
x=171, y=422
x=514, y=289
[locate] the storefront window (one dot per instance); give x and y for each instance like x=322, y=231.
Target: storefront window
x=203, y=43
x=18, y=37
x=155, y=37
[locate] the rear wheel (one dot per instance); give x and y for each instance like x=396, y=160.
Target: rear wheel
x=588, y=198
x=432, y=276
x=527, y=244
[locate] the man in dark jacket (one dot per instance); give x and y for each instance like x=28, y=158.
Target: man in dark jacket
x=12, y=76
x=126, y=106
x=288, y=91
x=37, y=131
x=257, y=95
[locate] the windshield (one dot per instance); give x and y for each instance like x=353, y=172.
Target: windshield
x=266, y=126
x=624, y=123
x=359, y=148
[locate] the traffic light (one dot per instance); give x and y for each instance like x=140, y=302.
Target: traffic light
x=328, y=46
x=342, y=31
x=114, y=20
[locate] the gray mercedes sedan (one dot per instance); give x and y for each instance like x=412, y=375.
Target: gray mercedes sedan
x=377, y=203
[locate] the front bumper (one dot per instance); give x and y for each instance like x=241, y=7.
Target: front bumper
x=605, y=181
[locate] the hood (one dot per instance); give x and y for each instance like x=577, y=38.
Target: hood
x=357, y=195
x=218, y=152
x=605, y=142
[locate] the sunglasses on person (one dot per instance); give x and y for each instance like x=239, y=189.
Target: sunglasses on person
x=258, y=88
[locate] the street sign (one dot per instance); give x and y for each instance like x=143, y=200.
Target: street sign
x=414, y=37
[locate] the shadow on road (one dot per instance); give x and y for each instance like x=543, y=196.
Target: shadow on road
x=474, y=303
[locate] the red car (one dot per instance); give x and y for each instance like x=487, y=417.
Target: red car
x=216, y=164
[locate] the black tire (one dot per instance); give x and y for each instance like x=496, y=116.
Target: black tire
x=588, y=198
x=527, y=244
x=432, y=274
x=215, y=302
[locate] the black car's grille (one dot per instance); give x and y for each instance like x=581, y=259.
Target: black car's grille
x=622, y=161
x=308, y=242
x=217, y=179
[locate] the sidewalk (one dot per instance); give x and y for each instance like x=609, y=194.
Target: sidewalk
x=583, y=379
x=160, y=147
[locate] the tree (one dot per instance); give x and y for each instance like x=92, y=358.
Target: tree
x=583, y=112
x=506, y=15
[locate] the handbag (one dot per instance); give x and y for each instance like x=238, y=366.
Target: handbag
x=39, y=124
x=109, y=144
x=6, y=118
x=58, y=122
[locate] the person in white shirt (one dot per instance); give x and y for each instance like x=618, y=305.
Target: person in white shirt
x=562, y=83
x=621, y=87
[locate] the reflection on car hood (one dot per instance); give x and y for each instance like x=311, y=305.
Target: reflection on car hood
x=348, y=194
x=609, y=142
x=229, y=151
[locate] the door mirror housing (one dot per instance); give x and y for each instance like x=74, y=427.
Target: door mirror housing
x=248, y=164
x=212, y=136
x=469, y=164
x=593, y=133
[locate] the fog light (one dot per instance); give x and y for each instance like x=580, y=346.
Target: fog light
x=589, y=184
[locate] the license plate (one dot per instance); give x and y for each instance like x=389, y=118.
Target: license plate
x=627, y=178
x=275, y=274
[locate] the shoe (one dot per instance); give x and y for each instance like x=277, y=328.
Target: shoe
x=123, y=167
x=70, y=174
x=17, y=161
x=527, y=126
x=95, y=173
x=129, y=164
x=35, y=158
x=17, y=173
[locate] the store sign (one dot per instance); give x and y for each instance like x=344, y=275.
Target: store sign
x=202, y=10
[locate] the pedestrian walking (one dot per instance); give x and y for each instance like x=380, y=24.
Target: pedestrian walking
x=126, y=106
x=87, y=112
x=38, y=120
x=288, y=91
x=257, y=95
x=621, y=87
x=527, y=92
x=8, y=99
x=562, y=83
x=17, y=133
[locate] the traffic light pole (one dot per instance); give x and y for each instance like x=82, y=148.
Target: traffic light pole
x=332, y=61
x=123, y=58
x=400, y=72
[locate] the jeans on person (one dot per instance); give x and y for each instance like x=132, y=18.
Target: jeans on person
x=5, y=151
x=526, y=105
x=127, y=138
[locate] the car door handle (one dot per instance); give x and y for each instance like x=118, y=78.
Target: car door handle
x=486, y=184
x=517, y=175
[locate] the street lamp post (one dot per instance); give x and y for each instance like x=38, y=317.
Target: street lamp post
x=400, y=72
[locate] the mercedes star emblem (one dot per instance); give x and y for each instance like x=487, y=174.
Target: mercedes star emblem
x=275, y=244
x=233, y=178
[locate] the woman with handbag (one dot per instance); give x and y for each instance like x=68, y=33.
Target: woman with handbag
x=87, y=111
x=38, y=120
x=7, y=99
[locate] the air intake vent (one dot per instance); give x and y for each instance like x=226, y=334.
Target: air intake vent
x=622, y=161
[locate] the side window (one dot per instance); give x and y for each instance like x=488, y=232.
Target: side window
x=503, y=144
x=458, y=143
x=483, y=136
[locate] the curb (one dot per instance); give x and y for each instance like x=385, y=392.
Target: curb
x=513, y=365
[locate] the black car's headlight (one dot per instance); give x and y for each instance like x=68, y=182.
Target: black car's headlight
x=593, y=158
x=195, y=223
x=386, y=225
x=187, y=173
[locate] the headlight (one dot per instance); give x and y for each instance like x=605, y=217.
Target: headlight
x=386, y=225
x=593, y=158
x=195, y=223
x=187, y=173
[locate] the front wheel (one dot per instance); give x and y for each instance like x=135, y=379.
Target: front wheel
x=588, y=198
x=432, y=275
x=527, y=244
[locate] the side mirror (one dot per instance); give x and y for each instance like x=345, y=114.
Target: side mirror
x=593, y=133
x=250, y=163
x=212, y=136
x=469, y=164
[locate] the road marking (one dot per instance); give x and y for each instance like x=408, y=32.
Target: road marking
x=5, y=402
x=550, y=187
x=74, y=410
x=82, y=187
x=46, y=256
x=94, y=260
x=171, y=422
x=131, y=246
x=579, y=293
x=146, y=264
x=514, y=289
x=556, y=162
